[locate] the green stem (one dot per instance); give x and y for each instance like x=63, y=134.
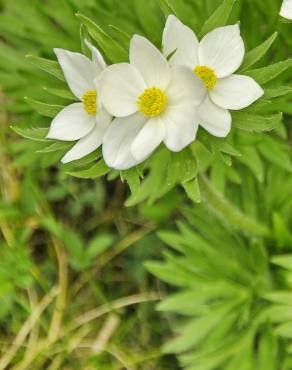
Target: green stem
x=226, y=211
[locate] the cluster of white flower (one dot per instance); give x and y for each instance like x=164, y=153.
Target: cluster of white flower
x=131, y=108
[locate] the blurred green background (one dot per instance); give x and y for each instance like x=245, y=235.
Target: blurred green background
x=74, y=289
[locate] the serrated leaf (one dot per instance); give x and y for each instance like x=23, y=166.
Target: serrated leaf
x=276, y=152
x=56, y=146
x=197, y=329
x=254, y=55
x=284, y=260
x=275, y=92
x=152, y=186
x=32, y=133
x=165, y=7
x=223, y=146
x=133, y=179
x=97, y=170
x=171, y=238
x=283, y=297
x=182, y=168
x=255, y=123
x=121, y=35
x=113, y=50
x=266, y=74
x=192, y=190
x=219, y=18
x=252, y=159
x=65, y=94
x=48, y=110
x=284, y=330
x=169, y=274
x=282, y=232
x=50, y=66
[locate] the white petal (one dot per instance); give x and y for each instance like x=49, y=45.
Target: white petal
x=78, y=70
x=148, y=139
x=222, y=50
x=236, y=92
x=286, y=9
x=85, y=146
x=120, y=85
x=150, y=62
x=177, y=36
x=185, y=87
x=216, y=120
x=91, y=141
x=118, y=139
x=181, y=123
x=103, y=118
x=71, y=123
x=97, y=58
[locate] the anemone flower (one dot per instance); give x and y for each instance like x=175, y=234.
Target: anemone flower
x=214, y=60
x=86, y=120
x=152, y=103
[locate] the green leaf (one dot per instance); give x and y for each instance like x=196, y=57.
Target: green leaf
x=268, y=348
x=48, y=110
x=219, y=18
x=257, y=53
x=284, y=260
x=276, y=152
x=32, y=133
x=255, y=123
x=165, y=7
x=192, y=190
x=266, y=74
x=171, y=238
x=56, y=146
x=133, y=179
x=282, y=232
x=65, y=94
x=284, y=330
x=169, y=274
x=222, y=145
x=275, y=92
x=252, y=159
x=97, y=170
x=153, y=186
x=98, y=245
x=71, y=240
x=196, y=330
x=182, y=167
x=49, y=66
x=113, y=50
x=121, y=35
x=283, y=297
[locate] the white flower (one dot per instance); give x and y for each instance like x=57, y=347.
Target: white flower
x=87, y=120
x=214, y=59
x=286, y=9
x=152, y=103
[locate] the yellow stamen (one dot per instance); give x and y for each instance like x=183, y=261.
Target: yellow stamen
x=152, y=102
x=89, y=102
x=207, y=75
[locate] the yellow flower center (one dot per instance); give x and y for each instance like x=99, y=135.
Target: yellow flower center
x=152, y=102
x=207, y=75
x=89, y=102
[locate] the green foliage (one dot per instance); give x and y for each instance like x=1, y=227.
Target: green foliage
x=163, y=175
x=72, y=256
x=234, y=306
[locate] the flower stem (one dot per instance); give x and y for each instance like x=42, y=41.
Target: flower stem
x=228, y=213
